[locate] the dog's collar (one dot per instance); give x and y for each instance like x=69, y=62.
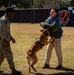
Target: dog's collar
x=39, y=44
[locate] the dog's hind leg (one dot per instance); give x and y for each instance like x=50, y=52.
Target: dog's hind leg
x=33, y=68
x=28, y=60
x=34, y=62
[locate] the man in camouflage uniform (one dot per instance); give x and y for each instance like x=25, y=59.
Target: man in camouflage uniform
x=5, y=38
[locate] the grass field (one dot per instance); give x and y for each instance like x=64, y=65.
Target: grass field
x=25, y=34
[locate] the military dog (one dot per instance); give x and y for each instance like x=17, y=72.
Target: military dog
x=41, y=41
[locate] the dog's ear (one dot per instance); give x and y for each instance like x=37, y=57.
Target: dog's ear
x=41, y=30
x=46, y=31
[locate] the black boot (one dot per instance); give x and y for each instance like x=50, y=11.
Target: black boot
x=46, y=66
x=1, y=72
x=15, y=72
x=59, y=67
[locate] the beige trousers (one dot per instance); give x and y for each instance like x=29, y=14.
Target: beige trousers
x=57, y=45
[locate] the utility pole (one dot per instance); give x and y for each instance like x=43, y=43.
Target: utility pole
x=31, y=3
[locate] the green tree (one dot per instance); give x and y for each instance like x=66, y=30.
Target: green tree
x=18, y=3
x=31, y=3
x=52, y=4
x=22, y=3
x=72, y=3
x=38, y=4
x=67, y=3
x=5, y=3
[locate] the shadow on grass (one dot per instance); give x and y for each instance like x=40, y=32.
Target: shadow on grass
x=67, y=69
x=68, y=72
x=8, y=74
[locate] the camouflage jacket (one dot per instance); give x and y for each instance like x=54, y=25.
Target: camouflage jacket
x=5, y=28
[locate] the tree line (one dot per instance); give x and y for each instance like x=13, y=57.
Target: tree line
x=36, y=3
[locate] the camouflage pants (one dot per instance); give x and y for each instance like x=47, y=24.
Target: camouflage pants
x=6, y=53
